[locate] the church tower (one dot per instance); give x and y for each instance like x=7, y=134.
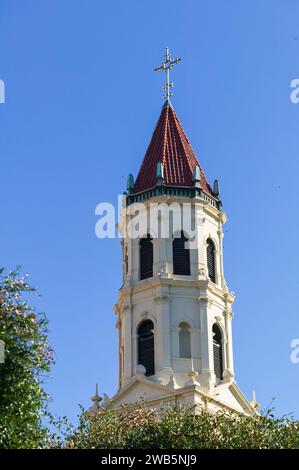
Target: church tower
x=174, y=309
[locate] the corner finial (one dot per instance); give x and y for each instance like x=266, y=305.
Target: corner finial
x=216, y=191
x=196, y=177
x=166, y=66
x=255, y=405
x=130, y=183
x=96, y=398
x=159, y=174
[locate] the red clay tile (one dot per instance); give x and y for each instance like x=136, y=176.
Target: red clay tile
x=170, y=146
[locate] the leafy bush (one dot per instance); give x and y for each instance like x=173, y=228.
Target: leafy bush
x=181, y=428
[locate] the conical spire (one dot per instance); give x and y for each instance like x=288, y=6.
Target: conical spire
x=169, y=146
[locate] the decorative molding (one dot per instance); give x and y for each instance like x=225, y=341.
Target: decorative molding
x=175, y=329
x=228, y=375
x=193, y=376
x=195, y=330
x=116, y=308
x=172, y=383
x=205, y=301
x=202, y=272
x=223, y=217
x=174, y=193
x=163, y=272
x=161, y=299
x=228, y=312
x=140, y=371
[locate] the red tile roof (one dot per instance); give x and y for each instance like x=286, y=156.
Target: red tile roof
x=170, y=146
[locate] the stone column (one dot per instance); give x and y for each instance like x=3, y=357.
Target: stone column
x=220, y=271
x=201, y=245
x=175, y=345
x=163, y=346
x=127, y=319
x=229, y=370
x=160, y=256
x=132, y=273
x=120, y=371
x=195, y=345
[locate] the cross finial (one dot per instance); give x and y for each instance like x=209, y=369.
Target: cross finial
x=166, y=65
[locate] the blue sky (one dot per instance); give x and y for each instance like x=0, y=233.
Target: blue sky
x=81, y=104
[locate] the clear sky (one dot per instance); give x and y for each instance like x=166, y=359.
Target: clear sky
x=81, y=103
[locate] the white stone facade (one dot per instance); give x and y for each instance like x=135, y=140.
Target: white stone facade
x=168, y=300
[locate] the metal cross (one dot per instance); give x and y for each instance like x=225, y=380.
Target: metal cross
x=166, y=65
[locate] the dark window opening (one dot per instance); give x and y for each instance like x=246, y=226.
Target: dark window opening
x=211, y=260
x=146, y=257
x=217, y=352
x=181, y=256
x=146, y=346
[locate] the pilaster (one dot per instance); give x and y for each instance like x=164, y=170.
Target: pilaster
x=127, y=320
x=207, y=368
x=163, y=347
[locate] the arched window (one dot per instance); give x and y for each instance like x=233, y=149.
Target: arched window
x=211, y=260
x=146, y=346
x=217, y=352
x=185, y=340
x=180, y=256
x=146, y=257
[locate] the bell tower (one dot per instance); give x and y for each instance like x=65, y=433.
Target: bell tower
x=174, y=309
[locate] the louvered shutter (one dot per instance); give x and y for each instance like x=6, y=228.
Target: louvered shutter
x=146, y=347
x=211, y=260
x=146, y=257
x=217, y=352
x=181, y=256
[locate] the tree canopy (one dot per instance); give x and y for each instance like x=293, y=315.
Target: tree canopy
x=26, y=362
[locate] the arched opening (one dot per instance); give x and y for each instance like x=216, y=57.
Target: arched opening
x=185, y=340
x=180, y=256
x=146, y=257
x=217, y=353
x=211, y=260
x=146, y=346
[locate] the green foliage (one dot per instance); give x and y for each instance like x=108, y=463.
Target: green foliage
x=28, y=358
x=181, y=428
x=23, y=401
